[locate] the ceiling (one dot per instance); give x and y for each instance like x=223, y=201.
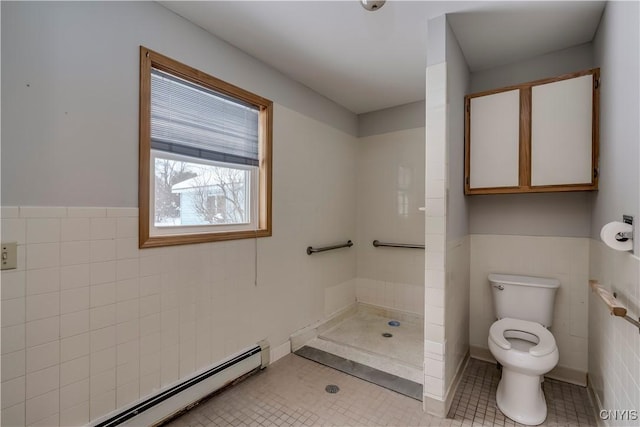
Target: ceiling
x=367, y=61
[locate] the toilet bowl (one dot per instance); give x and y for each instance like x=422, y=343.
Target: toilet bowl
x=526, y=350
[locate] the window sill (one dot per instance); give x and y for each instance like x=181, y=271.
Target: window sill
x=186, y=239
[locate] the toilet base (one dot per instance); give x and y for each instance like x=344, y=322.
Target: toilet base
x=520, y=397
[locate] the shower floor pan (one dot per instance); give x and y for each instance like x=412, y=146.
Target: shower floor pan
x=358, y=343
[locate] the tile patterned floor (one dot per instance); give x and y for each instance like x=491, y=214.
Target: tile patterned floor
x=291, y=392
x=475, y=400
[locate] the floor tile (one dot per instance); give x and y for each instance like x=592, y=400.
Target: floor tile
x=291, y=392
x=475, y=400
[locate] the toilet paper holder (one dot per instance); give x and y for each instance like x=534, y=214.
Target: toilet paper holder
x=624, y=236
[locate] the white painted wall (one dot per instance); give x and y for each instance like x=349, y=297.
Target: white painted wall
x=390, y=190
x=89, y=322
x=614, y=345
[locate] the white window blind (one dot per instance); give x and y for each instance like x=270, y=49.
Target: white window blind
x=192, y=120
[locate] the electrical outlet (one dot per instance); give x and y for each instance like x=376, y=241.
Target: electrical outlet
x=9, y=257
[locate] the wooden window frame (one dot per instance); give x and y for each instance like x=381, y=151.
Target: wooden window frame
x=150, y=59
x=524, y=171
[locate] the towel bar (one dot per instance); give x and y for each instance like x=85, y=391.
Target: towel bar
x=615, y=307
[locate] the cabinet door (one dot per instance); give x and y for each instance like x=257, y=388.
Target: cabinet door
x=562, y=132
x=494, y=132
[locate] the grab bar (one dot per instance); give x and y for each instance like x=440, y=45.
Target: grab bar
x=312, y=250
x=613, y=304
x=377, y=243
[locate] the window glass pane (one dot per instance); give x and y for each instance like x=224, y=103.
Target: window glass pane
x=200, y=194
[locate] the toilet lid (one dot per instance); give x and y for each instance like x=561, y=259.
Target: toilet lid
x=546, y=343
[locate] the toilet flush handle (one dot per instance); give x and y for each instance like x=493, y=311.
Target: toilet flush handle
x=499, y=287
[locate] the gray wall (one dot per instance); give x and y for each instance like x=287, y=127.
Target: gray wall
x=436, y=40
x=553, y=214
x=457, y=87
x=70, y=95
x=559, y=214
x=617, y=53
x=407, y=116
x=552, y=64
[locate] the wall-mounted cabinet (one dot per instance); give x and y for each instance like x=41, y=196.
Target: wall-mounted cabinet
x=535, y=137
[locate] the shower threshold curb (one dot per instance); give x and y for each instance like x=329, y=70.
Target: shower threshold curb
x=358, y=370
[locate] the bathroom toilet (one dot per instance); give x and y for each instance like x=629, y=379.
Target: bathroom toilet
x=520, y=341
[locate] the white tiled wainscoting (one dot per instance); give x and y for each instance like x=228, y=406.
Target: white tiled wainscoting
x=397, y=296
x=90, y=323
x=72, y=323
x=614, y=344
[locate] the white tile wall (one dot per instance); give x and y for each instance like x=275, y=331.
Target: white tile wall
x=614, y=344
x=397, y=296
x=390, y=191
x=339, y=297
x=456, y=311
x=435, y=226
x=563, y=258
x=88, y=328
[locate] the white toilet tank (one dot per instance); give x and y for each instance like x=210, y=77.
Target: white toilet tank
x=524, y=297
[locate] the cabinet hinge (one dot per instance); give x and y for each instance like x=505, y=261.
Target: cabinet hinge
x=467, y=107
x=596, y=83
x=595, y=173
x=466, y=180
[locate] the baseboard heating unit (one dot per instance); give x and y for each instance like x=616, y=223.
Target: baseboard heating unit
x=152, y=410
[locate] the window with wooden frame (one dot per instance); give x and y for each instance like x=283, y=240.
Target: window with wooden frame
x=205, y=157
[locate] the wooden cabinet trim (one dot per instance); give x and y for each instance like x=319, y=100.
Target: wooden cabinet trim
x=595, y=124
x=467, y=146
x=525, y=138
x=536, y=189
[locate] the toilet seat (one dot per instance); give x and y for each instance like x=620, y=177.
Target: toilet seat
x=546, y=343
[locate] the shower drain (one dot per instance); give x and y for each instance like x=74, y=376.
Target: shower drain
x=332, y=388
x=387, y=335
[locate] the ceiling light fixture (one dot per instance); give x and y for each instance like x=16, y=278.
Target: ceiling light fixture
x=372, y=6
